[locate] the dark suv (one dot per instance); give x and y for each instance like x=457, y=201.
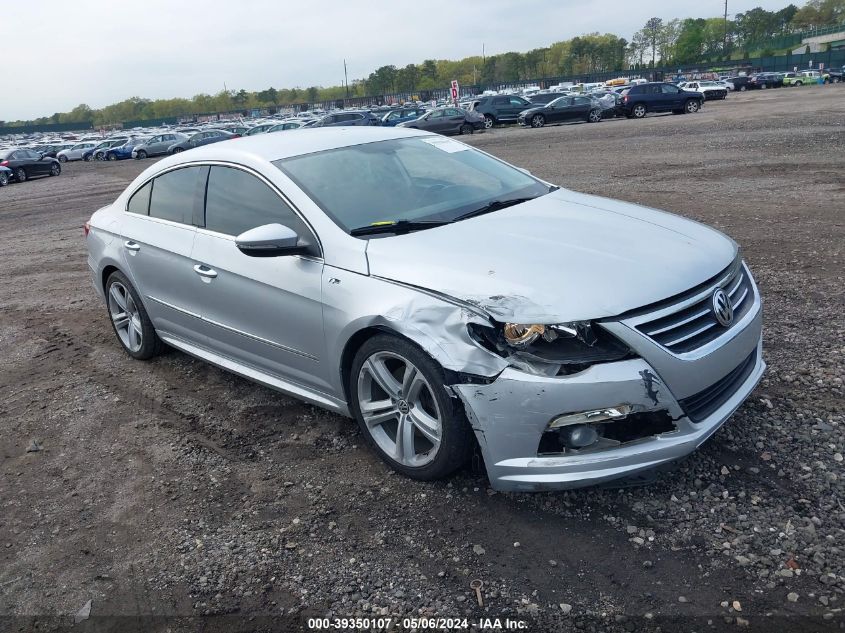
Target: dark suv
x=500, y=108
x=659, y=97
x=348, y=118
x=765, y=80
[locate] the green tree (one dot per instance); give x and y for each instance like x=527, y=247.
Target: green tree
x=652, y=31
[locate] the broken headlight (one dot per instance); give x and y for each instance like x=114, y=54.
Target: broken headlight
x=579, y=343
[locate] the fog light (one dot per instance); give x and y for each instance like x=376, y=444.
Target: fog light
x=580, y=436
x=585, y=417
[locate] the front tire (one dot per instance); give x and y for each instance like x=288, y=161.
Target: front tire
x=538, y=120
x=20, y=174
x=4, y=179
x=129, y=319
x=62, y=158
x=594, y=116
x=399, y=398
x=692, y=106
x=141, y=154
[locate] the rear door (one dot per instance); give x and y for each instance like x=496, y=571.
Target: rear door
x=265, y=312
x=158, y=234
x=581, y=107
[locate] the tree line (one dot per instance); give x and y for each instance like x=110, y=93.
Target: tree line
x=659, y=43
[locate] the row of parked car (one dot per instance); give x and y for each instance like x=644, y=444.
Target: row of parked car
x=634, y=100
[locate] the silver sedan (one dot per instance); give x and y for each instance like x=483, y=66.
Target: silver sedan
x=445, y=299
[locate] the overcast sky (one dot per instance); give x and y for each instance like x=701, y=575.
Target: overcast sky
x=103, y=51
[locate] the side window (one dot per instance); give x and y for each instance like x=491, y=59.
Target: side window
x=669, y=89
x=174, y=193
x=394, y=115
x=140, y=200
x=500, y=101
x=517, y=101
x=237, y=201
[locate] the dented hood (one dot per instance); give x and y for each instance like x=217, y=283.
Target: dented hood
x=563, y=257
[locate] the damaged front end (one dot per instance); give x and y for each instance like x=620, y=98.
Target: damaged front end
x=576, y=406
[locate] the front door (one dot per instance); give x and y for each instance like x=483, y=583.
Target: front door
x=264, y=312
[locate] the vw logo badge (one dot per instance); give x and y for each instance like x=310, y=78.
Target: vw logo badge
x=722, y=308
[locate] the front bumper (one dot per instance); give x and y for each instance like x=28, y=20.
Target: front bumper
x=510, y=415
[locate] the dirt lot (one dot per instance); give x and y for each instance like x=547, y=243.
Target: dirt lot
x=178, y=492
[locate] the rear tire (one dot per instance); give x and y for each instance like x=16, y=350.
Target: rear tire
x=489, y=121
x=126, y=311
x=639, y=111
x=55, y=169
x=466, y=128
x=112, y=156
x=427, y=396
x=4, y=179
x=88, y=158
x=20, y=174
x=594, y=116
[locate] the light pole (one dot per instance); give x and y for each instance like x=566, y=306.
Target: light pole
x=346, y=77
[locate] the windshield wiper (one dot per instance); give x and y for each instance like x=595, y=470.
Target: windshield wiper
x=398, y=227
x=495, y=205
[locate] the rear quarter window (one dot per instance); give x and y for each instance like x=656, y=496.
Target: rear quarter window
x=140, y=201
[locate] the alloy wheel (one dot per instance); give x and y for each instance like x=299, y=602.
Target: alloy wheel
x=4, y=179
x=399, y=409
x=55, y=170
x=692, y=106
x=538, y=121
x=595, y=116
x=488, y=121
x=639, y=111
x=20, y=174
x=125, y=317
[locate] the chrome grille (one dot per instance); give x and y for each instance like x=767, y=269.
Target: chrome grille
x=694, y=325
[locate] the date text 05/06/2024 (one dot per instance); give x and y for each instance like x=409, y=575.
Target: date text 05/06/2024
x=416, y=624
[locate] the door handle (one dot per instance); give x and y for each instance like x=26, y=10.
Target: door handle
x=132, y=246
x=204, y=271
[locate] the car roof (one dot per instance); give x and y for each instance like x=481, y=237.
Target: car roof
x=271, y=147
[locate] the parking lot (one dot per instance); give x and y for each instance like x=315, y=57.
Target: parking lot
x=174, y=488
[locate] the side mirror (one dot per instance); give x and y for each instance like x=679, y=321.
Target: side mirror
x=270, y=240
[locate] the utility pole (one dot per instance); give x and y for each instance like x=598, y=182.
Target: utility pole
x=483, y=58
x=346, y=77
x=725, y=42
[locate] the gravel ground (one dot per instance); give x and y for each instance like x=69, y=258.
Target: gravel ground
x=174, y=496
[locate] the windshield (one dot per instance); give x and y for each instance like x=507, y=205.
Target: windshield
x=420, y=179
